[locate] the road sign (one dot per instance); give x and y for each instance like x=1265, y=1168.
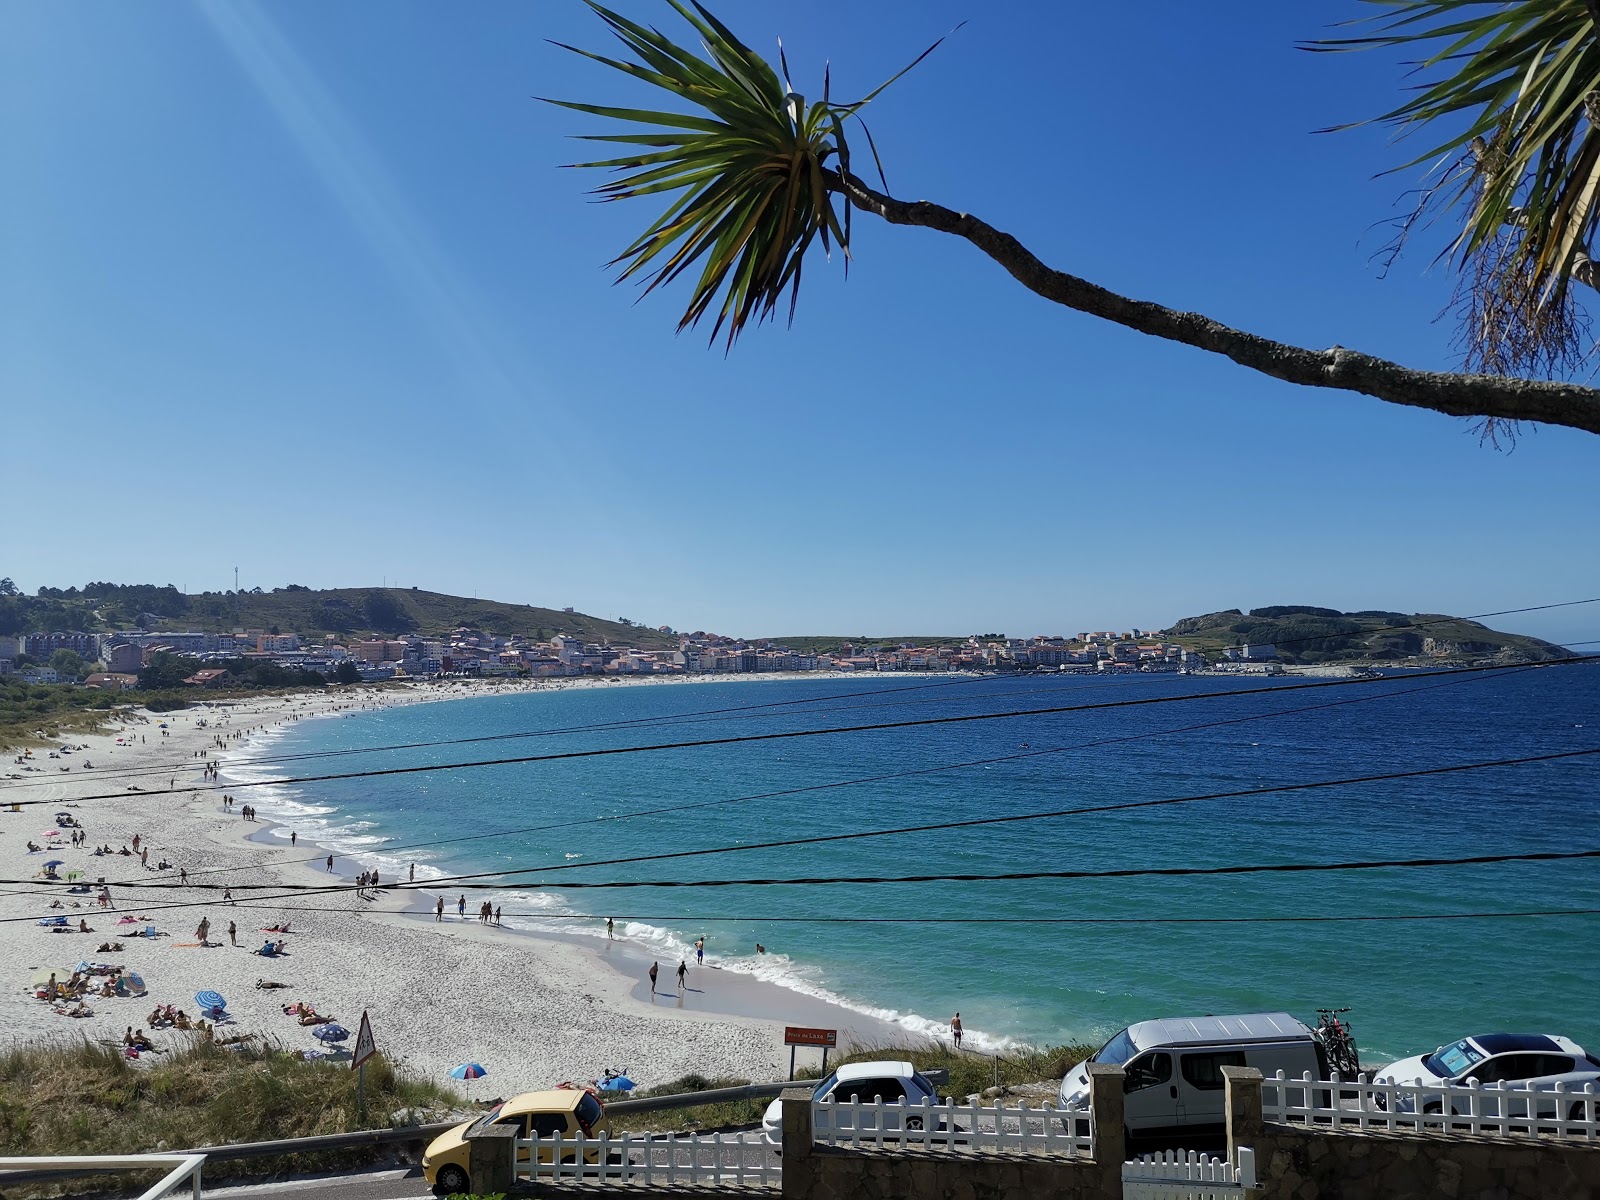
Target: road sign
x=365, y=1048
x=800, y=1035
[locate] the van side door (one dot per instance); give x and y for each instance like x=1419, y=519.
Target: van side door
x=1200, y=1086
x=1150, y=1094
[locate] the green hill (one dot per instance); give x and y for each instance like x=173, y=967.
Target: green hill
x=1304, y=633
x=346, y=612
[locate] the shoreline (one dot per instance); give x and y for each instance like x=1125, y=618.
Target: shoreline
x=534, y=1007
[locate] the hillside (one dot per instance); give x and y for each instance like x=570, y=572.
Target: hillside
x=347, y=612
x=1306, y=634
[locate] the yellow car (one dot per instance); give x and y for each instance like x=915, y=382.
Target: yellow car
x=566, y=1111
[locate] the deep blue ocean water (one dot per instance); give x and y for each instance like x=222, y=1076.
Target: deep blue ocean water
x=1411, y=984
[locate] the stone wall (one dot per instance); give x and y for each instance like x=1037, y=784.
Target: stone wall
x=813, y=1172
x=1296, y=1163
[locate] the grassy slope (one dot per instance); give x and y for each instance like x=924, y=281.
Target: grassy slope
x=1212, y=632
x=433, y=612
x=85, y=1098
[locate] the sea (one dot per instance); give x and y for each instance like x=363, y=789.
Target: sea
x=1141, y=773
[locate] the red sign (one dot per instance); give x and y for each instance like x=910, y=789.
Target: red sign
x=365, y=1048
x=799, y=1035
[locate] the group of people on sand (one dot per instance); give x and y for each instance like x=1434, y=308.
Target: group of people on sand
x=367, y=884
x=306, y=1014
x=488, y=914
x=165, y=1016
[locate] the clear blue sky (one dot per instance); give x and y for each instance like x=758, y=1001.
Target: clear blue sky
x=300, y=287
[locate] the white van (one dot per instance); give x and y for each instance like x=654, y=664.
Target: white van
x=1173, y=1068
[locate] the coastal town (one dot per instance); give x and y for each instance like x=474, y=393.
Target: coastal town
x=117, y=658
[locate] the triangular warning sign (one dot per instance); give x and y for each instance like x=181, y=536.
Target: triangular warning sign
x=365, y=1048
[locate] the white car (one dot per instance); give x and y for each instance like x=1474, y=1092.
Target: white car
x=1535, y=1060
x=896, y=1082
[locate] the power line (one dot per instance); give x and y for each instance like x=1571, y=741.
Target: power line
x=461, y=881
x=882, y=778
x=855, y=880
x=741, y=739
x=684, y=718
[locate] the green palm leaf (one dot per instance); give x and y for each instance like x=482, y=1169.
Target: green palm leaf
x=1517, y=85
x=756, y=167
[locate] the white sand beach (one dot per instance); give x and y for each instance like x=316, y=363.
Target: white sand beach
x=533, y=1010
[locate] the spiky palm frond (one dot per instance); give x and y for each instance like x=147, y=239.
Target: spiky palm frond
x=1517, y=84
x=753, y=164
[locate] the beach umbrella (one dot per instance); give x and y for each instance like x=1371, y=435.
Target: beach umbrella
x=50, y=833
x=468, y=1071
x=127, y=920
x=210, y=1001
x=135, y=983
x=54, y=863
x=330, y=1033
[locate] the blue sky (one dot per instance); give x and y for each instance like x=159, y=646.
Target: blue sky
x=301, y=288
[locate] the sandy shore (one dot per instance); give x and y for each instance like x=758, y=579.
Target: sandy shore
x=534, y=1010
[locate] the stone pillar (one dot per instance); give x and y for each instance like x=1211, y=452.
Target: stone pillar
x=1242, y=1090
x=492, y=1159
x=1110, y=1134
x=798, y=1172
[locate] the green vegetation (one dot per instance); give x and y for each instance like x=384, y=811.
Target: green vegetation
x=85, y=1098
x=1304, y=633
x=344, y=612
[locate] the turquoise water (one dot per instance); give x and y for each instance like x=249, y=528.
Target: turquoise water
x=1411, y=984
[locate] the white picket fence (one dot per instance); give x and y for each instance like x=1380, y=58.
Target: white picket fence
x=715, y=1159
x=1178, y=1176
x=1498, y=1109
x=929, y=1126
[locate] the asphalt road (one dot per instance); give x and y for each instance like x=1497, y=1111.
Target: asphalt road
x=391, y=1184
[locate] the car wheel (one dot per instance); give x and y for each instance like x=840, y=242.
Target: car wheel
x=914, y=1123
x=1576, y=1114
x=452, y=1180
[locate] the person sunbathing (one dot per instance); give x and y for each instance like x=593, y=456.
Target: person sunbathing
x=83, y=926
x=107, y=991
x=32, y=849
x=181, y=1021
x=312, y=1018
x=80, y=1010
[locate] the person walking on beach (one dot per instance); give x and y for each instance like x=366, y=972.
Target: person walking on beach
x=227, y=895
x=330, y=864
x=233, y=933
x=438, y=910
x=183, y=874
x=203, y=930
x=655, y=969
x=611, y=929
x=413, y=872
x=497, y=914
x=683, y=971
x=700, y=952
x=461, y=906
x=293, y=837
x=955, y=1030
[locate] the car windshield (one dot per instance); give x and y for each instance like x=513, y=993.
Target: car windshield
x=825, y=1087
x=1117, y=1051
x=1453, y=1060
x=924, y=1083
x=589, y=1111
x=480, y=1122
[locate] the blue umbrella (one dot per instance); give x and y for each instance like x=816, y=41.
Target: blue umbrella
x=53, y=863
x=468, y=1071
x=210, y=1001
x=330, y=1033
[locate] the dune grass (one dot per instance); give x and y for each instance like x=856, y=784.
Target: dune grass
x=82, y=1097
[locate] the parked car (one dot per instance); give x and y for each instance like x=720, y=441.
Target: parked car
x=1536, y=1060
x=1173, y=1069
x=567, y=1111
x=865, y=1081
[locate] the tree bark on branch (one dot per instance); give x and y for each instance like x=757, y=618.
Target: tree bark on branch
x=1491, y=397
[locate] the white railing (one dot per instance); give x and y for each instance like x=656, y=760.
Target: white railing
x=1498, y=1109
x=927, y=1125
x=717, y=1159
x=181, y=1167
x=1178, y=1176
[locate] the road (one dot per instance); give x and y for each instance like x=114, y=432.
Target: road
x=392, y=1184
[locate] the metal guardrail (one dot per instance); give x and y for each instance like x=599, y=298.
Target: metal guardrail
x=183, y=1166
x=30, y=1172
